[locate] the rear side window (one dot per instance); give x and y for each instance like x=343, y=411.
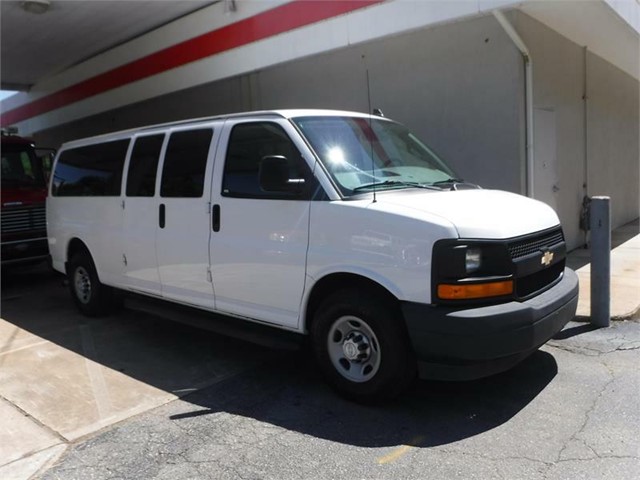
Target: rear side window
x=91, y=171
x=141, y=178
x=185, y=163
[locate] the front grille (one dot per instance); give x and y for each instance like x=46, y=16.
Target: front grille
x=534, y=243
x=23, y=219
x=527, y=286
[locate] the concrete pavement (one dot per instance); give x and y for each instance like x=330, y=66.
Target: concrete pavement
x=625, y=274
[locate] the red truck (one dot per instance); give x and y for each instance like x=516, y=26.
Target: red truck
x=25, y=174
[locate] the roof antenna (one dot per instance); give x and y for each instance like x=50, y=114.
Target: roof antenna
x=373, y=167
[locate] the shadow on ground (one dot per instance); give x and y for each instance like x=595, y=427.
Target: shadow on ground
x=290, y=394
x=276, y=387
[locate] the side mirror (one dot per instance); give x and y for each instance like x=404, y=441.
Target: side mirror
x=274, y=175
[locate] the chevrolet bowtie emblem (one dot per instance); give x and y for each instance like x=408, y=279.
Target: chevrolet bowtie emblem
x=547, y=258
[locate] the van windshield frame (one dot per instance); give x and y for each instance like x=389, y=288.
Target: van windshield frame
x=363, y=154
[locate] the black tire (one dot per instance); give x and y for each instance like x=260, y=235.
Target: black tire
x=91, y=297
x=361, y=346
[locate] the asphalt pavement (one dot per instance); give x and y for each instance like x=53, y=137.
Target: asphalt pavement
x=569, y=411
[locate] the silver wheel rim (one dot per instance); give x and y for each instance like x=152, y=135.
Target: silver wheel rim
x=82, y=282
x=354, y=349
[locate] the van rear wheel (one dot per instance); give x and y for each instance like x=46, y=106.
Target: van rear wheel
x=90, y=296
x=362, y=347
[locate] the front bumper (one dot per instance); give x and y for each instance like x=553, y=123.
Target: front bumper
x=465, y=343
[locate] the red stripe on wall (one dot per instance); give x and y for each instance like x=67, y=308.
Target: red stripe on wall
x=279, y=20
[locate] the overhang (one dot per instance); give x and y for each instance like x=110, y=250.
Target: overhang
x=215, y=42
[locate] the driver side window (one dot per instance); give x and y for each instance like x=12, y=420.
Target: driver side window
x=249, y=143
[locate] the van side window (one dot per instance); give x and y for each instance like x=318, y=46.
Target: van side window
x=143, y=165
x=94, y=170
x=185, y=163
x=248, y=144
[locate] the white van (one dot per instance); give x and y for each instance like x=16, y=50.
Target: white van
x=340, y=226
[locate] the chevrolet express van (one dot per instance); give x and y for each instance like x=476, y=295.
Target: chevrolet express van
x=339, y=226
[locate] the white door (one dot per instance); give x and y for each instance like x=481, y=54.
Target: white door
x=140, y=215
x=182, y=216
x=259, y=242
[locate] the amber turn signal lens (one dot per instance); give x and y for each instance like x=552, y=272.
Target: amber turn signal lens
x=476, y=290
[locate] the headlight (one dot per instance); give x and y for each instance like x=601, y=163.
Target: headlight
x=472, y=259
x=471, y=270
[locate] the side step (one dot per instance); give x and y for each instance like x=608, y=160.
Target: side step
x=246, y=330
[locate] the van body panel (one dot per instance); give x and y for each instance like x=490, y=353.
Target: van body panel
x=490, y=214
x=258, y=267
x=97, y=222
x=389, y=244
x=139, y=231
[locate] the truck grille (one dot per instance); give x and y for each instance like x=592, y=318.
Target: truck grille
x=534, y=277
x=526, y=246
x=23, y=219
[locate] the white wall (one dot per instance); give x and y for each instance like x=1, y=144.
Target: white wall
x=613, y=134
x=604, y=155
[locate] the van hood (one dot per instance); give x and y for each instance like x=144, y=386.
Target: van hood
x=490, y=214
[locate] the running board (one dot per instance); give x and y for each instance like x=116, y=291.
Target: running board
x=241, y=329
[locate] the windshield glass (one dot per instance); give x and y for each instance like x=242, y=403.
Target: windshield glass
x=21, y=167
x=363, y=154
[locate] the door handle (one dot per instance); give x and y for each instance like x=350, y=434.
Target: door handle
x=215, y=218
x=161, y=219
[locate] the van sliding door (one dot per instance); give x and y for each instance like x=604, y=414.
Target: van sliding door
x=141, y=268
x=182, y=216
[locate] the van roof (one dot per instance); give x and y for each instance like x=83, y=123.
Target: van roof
x=287, y=113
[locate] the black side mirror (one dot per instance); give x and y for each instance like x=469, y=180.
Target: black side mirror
x=274, y=175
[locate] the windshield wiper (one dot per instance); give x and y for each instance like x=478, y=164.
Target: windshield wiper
x=455, y=184
x=394, y=183
x=448, y=180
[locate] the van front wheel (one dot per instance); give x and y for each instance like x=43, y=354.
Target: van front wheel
x=90, y=296
x=362, y=347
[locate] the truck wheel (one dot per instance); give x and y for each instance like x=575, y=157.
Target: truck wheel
x=361, y=346
x=90, y=296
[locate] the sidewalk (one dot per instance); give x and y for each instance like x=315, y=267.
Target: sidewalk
x=625, y=274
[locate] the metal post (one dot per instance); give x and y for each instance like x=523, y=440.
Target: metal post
x=600, y=261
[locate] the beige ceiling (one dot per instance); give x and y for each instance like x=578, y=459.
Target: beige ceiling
x=35, y=46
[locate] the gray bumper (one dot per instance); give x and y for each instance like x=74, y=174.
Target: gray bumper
x=466, y=343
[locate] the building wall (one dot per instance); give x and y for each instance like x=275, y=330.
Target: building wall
x=596, y=142
x=613, y=134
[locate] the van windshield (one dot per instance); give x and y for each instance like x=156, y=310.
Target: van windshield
x=363, y=154
x=21, y=167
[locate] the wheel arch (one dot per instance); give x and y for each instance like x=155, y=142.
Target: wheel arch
x=75, y=246
x=334, y=282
